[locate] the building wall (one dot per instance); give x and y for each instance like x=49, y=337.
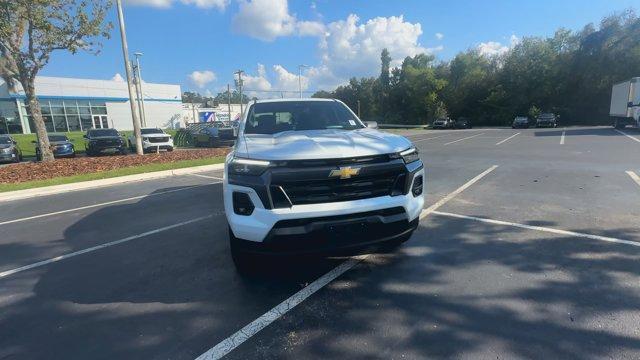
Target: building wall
x=67, y=101
x=157, y=113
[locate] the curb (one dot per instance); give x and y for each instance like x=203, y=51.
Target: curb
x=85, y=185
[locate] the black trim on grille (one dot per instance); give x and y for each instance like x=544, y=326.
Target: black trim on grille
x=303, y=182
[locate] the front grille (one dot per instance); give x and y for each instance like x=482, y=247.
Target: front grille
x=107, y=142
x=159, y=139
x=314, y=185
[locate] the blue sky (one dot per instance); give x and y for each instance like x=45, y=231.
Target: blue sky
x=199, y=43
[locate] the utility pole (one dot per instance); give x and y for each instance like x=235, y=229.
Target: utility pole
x=229, y=102
x=193, y=111
x=135, y=82
x=300, y=78
x=143, y=115
x=127, y=65
x=239, y=84
x=358, y=108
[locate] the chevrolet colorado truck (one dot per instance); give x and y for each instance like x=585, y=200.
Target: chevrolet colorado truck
x=307, y=176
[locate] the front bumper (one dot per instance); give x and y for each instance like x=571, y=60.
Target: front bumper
x=147, y=145
x=8, y=157
x=300, y=226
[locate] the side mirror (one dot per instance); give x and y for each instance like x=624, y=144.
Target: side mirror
x=85, y=136
x=14, y=142
x=371, y=124
x=34, y=142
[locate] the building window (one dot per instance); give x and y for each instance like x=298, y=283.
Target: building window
x=66, y=115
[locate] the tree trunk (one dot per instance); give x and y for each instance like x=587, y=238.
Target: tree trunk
x=36, y=114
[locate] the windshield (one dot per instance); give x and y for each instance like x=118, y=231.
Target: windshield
x=4, y=140
x=57, y=138
x=276, y=117
x=103, y=132
x=151, y=131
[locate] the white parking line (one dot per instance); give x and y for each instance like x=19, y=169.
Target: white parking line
x=98, y=247
x=562, y=137
x=634, y=176
x=431, y=138
x=540, y=228
x=507, y=139
x=627, y=135
x=207, y=177
x=229, y=344
x=468, y=137
x=98, y=205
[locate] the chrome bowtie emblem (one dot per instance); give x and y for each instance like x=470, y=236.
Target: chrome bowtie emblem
x=344, y=172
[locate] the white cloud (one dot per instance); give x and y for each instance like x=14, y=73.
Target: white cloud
x=117, y=77
x=264, y=19
x=164, y=4
x=289, y=81
x=494, y=48
x=257, y=85
x=350, y=48
x=439, y=36
x=202, y=78
x=267, y=20
x=310, y=28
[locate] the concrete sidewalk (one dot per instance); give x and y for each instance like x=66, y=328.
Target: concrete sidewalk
x=84, y=185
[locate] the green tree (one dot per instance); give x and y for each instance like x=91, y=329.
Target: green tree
x=31, y=30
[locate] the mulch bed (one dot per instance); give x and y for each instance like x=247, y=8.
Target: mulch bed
x=30, y=171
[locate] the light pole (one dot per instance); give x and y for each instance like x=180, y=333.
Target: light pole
x=239, y=84
x=127, y=65
x=143, y=115
x=300, y=78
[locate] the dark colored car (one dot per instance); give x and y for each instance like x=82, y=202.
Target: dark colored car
x=217, y=135
x=463, y=123
x=443, y=124
x=61, y=147
x=520, y=122
x=9, y=150
x=547, y=120
x=98, y=141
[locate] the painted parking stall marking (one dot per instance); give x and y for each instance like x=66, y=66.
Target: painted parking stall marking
x=431, y=138
x=100, y=204
x=562, y=137
x=627, y=135
x=230, y=343
x=540, y=228
x=634, y=177
x=99, y=247
x=466, y=138
x=507, y=139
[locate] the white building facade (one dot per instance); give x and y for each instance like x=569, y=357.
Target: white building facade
x=79, y=104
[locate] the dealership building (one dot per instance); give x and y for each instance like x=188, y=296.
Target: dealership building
x=79, y=104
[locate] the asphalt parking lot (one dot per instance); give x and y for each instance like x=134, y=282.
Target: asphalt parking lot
x=529, y=248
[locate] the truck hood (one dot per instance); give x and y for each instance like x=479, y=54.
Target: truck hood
x=155, y=135
x=319, y=144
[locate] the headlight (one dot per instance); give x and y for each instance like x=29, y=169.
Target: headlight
x=410, y=155
x=6, y=150
x=241, y=166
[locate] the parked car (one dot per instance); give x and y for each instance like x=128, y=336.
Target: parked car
x=463, y=123
x=98, y=141
x=520, y=122
x=61, y=147
x=308, y=177
x=153, y=139
x=443, y=124
x=216, y=135
x=547, y=120
x=9, y=149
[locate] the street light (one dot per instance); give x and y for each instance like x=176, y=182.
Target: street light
x=143, y=115
x=300, y=78
x=127, y=65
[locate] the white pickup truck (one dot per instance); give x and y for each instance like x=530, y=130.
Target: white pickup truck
x=153, y=139
x=625, y=103
x=307, y=176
